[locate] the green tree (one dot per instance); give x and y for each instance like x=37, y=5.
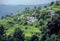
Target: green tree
x=34, y=38
x=18, y=35
x=1, y=29
x=52, y=3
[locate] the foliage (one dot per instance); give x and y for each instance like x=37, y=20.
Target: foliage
x=46, y=28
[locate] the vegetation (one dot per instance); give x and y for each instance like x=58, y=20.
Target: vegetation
x=32, y=24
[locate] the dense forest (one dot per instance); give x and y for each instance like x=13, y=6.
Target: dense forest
x=36, y=24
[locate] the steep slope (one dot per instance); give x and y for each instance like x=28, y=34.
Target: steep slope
x=30, y=21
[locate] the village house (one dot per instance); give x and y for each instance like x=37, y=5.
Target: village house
x=52, y=12
x=30, y=20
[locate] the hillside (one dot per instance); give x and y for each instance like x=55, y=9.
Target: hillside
x=34, y=24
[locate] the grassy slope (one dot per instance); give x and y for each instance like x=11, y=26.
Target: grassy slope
x=30, y=29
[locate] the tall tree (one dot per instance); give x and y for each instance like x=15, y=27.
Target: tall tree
x=18, y=35
x=1, y=29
